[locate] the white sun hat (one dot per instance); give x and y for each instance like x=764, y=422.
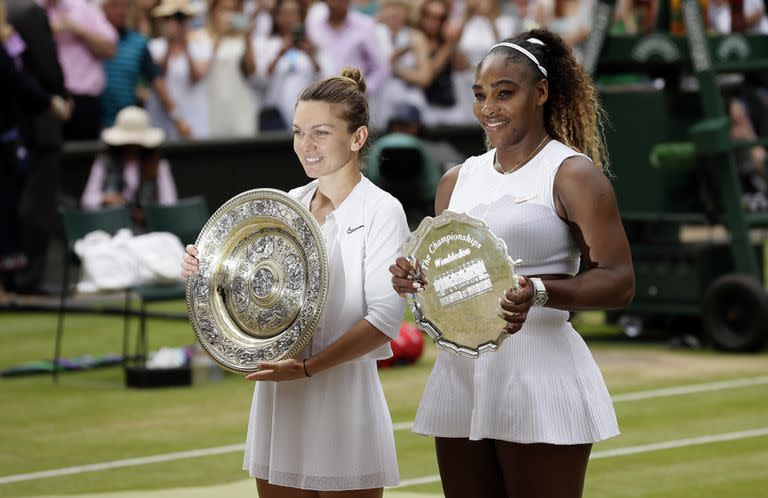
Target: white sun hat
x=132, y=127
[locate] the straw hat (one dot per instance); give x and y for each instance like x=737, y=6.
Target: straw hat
x=170, y=7
x=132, y=128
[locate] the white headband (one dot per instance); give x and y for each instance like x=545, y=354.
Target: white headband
x=524, y=51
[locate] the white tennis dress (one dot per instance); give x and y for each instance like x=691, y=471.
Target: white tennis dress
x=333, y=431
x=542, y=385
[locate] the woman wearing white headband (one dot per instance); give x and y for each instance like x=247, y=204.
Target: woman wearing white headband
x=521, y=421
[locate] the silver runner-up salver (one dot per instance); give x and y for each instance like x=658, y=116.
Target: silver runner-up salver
x=262, y=281
x=468, y=270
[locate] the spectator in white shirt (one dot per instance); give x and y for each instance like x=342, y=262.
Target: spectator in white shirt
x=291, y=64
x=184, y=63
x=233, y=83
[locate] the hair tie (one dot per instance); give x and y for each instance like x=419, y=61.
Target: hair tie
x=524, y=52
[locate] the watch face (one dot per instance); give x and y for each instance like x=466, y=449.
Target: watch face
x=540, y=298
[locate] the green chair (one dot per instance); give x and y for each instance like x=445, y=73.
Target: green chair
x=401, y=165
x=184, y=219
x=77, y=224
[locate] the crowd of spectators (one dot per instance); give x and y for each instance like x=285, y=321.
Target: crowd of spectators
x=233, y=68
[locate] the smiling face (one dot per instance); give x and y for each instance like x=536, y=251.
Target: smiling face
x=509, y=100
x=322, y=140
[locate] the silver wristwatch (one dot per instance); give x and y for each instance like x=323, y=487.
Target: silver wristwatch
x=540, y=295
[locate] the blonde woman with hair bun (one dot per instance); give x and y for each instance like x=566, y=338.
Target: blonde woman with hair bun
x=319, y=424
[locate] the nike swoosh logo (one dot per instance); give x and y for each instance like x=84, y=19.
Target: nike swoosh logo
x=520, y=200
x=352, y=230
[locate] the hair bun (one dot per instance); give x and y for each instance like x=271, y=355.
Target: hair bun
x=356, y=76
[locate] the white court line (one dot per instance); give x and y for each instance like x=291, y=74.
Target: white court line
x=130, y=462
x=167, y=457
x=632, y=450
x=690, y=389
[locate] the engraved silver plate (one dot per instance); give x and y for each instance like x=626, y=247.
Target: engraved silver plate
x=262, y=281
x=468, y=270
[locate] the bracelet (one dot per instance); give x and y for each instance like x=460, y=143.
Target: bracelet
x=306, y=372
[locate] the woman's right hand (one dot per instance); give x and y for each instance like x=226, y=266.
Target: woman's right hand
x=407, y=276
x=189, y=262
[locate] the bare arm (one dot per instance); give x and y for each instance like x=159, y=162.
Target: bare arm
x=445, y=189
x=585, y=199
x=197, y=69
x=361, y=339
x=248, y=62
x=101, y=47
x=158, y=84
x=421, y=74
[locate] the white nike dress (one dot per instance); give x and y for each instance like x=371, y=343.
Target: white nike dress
x=333, y=431
x=542, y=385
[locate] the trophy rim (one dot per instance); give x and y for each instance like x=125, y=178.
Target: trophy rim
x=314, y=227
x=424, y=323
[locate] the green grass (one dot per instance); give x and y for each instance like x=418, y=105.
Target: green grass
x=90, y=417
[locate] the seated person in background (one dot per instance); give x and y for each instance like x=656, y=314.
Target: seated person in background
x=406, y=119
x=407, y=165
x=131, y=171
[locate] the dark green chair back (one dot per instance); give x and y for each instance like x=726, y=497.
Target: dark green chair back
x=184, y=219
x=401, y=165
x=78, y=222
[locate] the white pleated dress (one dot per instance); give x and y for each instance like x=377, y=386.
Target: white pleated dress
x=333, y=431
x=543, y=384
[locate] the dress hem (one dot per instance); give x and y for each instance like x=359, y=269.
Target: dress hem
x=512, y=439
x=323, y=483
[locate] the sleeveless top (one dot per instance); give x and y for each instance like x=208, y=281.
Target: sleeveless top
x=542, y=385
x=519, y=208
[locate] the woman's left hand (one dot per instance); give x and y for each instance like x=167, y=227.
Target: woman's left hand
x=515, y=305
x=277, y=371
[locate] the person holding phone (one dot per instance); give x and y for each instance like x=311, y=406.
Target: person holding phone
x=184, y=62
x=232, y=79
x=319, y=424
x=291, y=64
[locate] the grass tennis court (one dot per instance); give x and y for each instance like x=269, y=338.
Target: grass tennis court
x=705, y=441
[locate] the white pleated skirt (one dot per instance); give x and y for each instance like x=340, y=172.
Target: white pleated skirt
x=541, y=386
x=329, y=432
